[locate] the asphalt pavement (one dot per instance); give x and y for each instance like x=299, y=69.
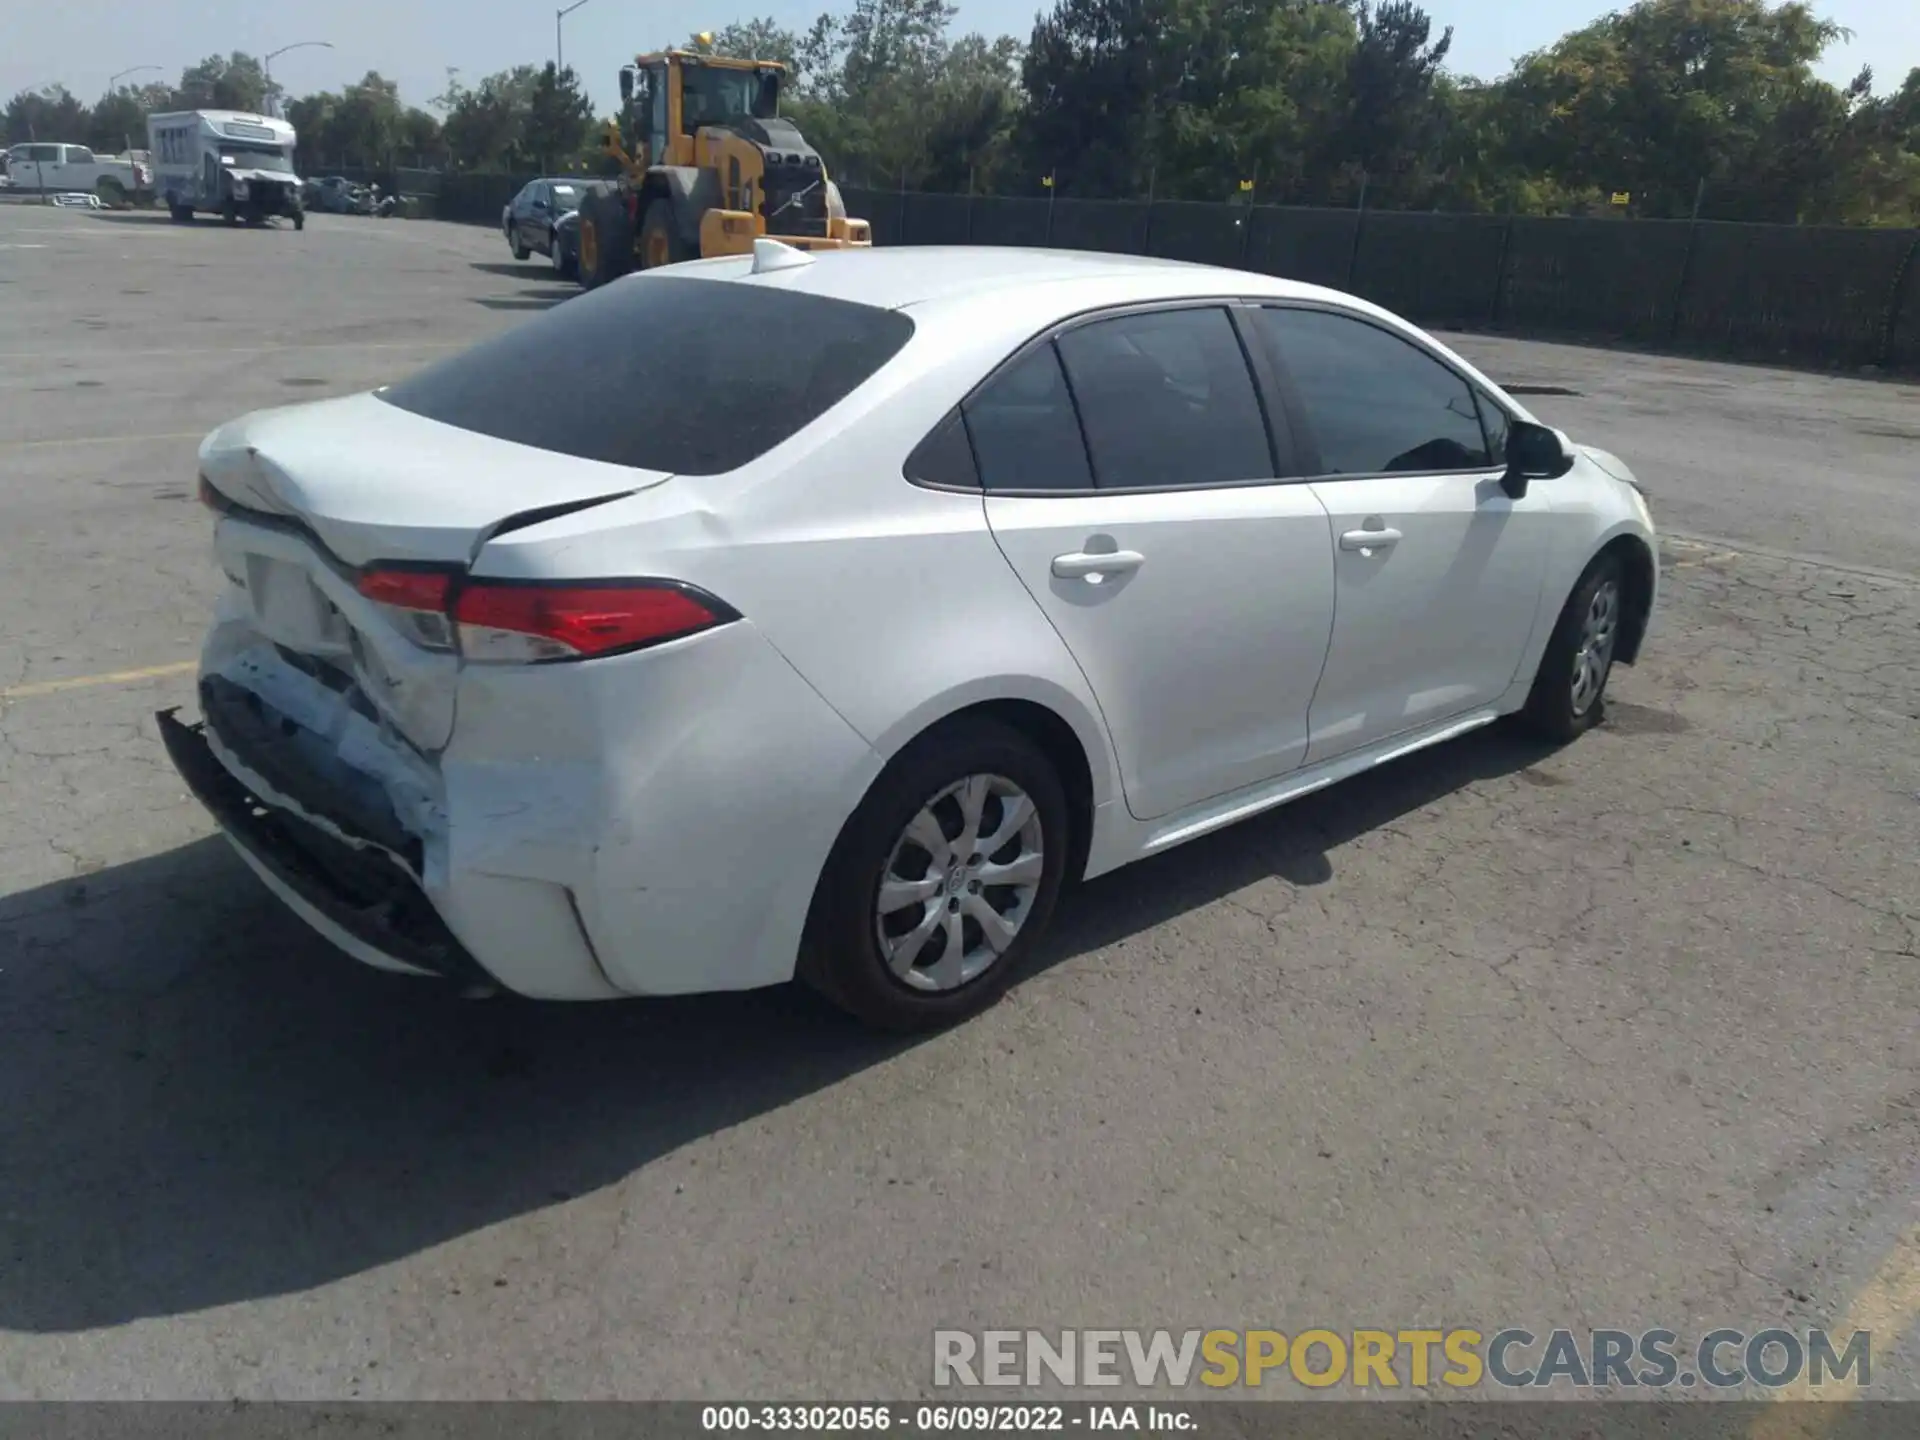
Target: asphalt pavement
x=1498, y=1036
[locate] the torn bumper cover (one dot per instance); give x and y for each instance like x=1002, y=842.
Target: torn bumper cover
x=364, y=893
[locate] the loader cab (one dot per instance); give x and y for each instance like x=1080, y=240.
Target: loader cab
x=669, y=98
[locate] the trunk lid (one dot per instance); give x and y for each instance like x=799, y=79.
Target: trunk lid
x=376, y=483
x=331, y=488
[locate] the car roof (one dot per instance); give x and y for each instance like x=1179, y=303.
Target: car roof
x=894, y=278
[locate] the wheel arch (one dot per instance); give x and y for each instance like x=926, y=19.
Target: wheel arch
x=1640, y=577
x=1071, y=737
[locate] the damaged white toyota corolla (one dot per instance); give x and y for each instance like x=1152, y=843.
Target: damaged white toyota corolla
x=824, y=615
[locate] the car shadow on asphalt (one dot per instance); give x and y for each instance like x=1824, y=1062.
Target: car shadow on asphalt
x=541, y=299
x=1296, y=843
x=208, y=1105
x=512, y=269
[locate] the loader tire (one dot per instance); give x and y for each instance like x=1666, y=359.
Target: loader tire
x=606, y=239
x=660, y=242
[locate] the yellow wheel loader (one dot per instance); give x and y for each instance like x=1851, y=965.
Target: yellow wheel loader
x=706, y=167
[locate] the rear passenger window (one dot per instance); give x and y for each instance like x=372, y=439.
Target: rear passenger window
x=1167, y=399
x=1024, y=432
x=944, y=457
x=1376, y=404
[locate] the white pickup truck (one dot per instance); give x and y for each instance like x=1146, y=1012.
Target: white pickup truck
x=43, y=169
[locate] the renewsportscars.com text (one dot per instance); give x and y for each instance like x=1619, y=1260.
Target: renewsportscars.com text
x=1394, y=1359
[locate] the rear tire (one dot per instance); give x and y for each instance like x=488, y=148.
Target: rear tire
x=1569, y=690
x=112, y=193
x=944, y=967
x=606, y=238
x=181, y=214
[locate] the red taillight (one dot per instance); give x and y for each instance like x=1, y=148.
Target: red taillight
x=408, y=589
x=506, y=622
x=558, y=622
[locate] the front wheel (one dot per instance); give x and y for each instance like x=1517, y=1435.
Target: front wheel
x=299, y=219
x=1569, y=690
x=660, y=242
x=520, y=251
x=605, y=238
x=231, y=213
x=942, y=881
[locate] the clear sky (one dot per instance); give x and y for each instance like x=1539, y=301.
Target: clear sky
x=80, y=43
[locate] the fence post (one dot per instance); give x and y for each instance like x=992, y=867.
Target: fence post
x=1686, y=262
x=1359, y=225
x=1500, y=272
x=1902, y=278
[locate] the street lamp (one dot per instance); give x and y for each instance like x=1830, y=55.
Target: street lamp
x=266, y=64
x=559, y=54
x=126, y=141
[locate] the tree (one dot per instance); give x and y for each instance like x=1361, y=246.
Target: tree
x=555, y=131
x=50, y=114
x=1391, y=122
x=117, y=121
x=238, y=82
x=1675, y=100
x=485, y=127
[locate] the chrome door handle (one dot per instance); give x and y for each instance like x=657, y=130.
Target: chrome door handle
x=1079, y=565
x=1369, y=539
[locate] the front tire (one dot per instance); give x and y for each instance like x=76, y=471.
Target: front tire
x=606, y=238
x=182, y=214
x=660, y=242
x=565, y=265
x=1569, y=690
x=943, y=880
x=299, y=219
x=520, y=251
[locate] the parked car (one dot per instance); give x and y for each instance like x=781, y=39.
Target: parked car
x=545, y=217
x=841, y=655
x=338, y=195
x=48, y=169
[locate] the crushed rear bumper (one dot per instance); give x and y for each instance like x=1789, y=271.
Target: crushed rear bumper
x=362, y=893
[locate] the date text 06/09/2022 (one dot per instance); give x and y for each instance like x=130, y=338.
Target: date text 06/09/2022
x=938, y=1419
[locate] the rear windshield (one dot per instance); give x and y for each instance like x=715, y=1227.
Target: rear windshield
x=694, y=377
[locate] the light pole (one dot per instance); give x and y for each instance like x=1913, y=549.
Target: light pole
x=267, y=65
x=126, y=141
x=113, y=80
x=559, y=50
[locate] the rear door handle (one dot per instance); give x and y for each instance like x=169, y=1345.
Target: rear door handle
x=1369, y=539
x=1079, y=565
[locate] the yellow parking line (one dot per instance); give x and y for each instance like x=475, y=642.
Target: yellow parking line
x=112, y=677
x=1885, y=1307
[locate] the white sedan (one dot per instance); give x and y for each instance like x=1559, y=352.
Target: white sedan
x=826, y=615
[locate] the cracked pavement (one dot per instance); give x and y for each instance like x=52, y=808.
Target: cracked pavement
x=1617, y=1035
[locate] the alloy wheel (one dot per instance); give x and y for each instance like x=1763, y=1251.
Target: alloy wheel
x=959, y=883
x=1599, y=628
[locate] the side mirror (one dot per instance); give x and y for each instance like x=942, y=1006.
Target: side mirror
x=1534, y=452
x=626, y=84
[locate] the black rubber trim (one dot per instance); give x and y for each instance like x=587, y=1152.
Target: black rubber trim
x=271, y=745
x=366, y=894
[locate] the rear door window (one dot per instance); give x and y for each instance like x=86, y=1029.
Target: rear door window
x=662, y=372
x=1167, y=400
